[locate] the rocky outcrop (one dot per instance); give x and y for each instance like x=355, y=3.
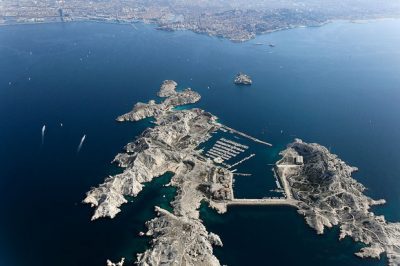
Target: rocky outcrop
x=243, y=79
x=120, y=263
x=178, y=240
x=329, y=196
x=141, y=111
x=139, y=168
x=184, y=97
x=167, y=88
x=153, y=109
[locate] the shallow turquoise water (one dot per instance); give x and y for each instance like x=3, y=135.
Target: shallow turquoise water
x=338, y=85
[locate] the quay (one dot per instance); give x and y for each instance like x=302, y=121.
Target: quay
x=246, y=136
x=281, y=175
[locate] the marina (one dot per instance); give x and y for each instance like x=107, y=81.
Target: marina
x=231, y=149
x=226, y=149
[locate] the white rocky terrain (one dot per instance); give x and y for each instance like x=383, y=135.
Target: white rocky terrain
x=153, y=109
x=168, y=88
x=243, y=79
x=120, y=263
x=329, y=196
x=179, y=238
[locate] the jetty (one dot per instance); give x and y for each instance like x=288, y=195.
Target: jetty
x=225, y=150
x=241, y=174
x=263, y=202
x=243, y=160
x=247, y=136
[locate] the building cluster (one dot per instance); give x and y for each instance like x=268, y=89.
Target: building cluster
x=221, y=186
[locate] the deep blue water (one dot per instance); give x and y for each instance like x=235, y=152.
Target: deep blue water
x=338, y=85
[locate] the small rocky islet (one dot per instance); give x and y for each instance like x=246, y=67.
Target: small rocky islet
x=316, y=182
x=242, y=79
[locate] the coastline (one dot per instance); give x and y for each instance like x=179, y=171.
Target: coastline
x=156, y=25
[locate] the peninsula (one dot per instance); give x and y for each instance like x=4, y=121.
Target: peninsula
x=313, y=180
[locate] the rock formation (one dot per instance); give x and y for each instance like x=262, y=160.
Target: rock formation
x=329, y=196
x=153, y=109
x=120, y=263
x=167, y=88
x=178, y=240
x=242, y=79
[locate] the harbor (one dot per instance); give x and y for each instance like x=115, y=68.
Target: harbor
x=242, y=155
x=225, y=150
x=285, y=199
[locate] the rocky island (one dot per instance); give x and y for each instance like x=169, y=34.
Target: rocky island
x=243, y=79
x=180, y=238
x=314, y=181
x=327, y=195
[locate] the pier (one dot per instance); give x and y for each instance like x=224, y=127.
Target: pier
x=241, y=161
x=276, y=179
x=241, y=174
x=247, y=136
x=263, y=202
x=226, y=149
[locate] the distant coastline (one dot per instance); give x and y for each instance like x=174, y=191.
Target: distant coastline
x=157, y=25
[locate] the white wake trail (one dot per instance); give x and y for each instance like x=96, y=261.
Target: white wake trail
x=43, y=132
x=81, y=143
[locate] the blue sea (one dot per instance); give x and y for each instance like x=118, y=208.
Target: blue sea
x=338, y=85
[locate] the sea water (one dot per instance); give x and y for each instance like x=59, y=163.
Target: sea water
x=338, y=85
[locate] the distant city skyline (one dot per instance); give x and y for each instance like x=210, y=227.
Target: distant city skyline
x=237, y=20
